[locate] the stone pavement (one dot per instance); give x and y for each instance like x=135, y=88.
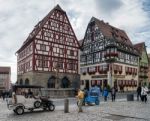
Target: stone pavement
x=121, y=110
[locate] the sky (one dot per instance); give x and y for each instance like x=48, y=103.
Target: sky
x=18, y=18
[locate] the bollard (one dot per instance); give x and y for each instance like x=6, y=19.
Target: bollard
x=130, y=97
x=66, y=106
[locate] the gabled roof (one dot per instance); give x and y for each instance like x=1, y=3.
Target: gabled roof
x=81, y=43
x=40, y=24
x=58, y=8
x=139, y=47
x=5, y=70
x=112, y=32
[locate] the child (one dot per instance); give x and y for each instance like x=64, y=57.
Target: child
x=105, y=93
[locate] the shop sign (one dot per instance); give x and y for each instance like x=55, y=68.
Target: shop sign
x=99, y=76
x=119, y=76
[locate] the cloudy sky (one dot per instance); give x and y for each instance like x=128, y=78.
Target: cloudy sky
x=18, y=18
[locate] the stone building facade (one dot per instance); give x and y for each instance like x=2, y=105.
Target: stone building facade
x=49, y=56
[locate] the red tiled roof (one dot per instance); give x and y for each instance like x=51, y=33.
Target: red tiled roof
x=4, y=69
x=38, y=27
x=113, y=32
x=139, y=47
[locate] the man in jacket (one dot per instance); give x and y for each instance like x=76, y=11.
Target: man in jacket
x=144, y=93
x=105, y=93
x=113, y=94
x=138, y=92
x=80, y=98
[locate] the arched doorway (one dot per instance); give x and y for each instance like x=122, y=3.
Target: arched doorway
x=65, y=83
x=51, y=82
x=21, y=82
x=27, y=81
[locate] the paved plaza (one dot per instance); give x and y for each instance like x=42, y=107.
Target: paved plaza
x=121, y=110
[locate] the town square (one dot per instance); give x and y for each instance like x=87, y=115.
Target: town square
x=75, y=60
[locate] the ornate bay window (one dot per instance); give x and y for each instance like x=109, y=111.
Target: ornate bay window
x=111, y=55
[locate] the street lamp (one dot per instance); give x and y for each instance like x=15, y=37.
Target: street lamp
x=110, y=74
x=56, y=69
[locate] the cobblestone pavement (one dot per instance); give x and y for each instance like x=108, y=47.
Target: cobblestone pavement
x=118, y=96
x=120, y=110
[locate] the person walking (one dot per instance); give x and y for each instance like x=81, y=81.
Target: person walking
x=113, y=94
x=144, y=93
x=3, y=95
x=138, y=92
x=85, y=95
x=80, y=98
x=105, y=93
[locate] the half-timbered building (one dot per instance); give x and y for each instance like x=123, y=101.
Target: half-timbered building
x=108, y=57
x=143, y=63
x=49, y=56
